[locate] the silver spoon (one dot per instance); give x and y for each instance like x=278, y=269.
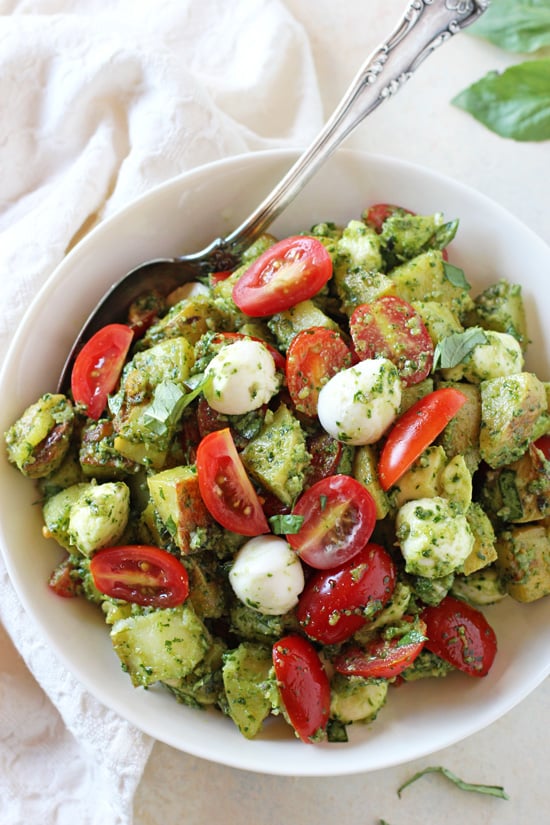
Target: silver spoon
x=425, y=25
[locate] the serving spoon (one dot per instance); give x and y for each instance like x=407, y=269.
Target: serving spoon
x=425, y=25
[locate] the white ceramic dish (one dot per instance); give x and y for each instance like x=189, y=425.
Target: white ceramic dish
x=181, y=216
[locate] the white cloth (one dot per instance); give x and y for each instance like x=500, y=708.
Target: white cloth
x=99, y=101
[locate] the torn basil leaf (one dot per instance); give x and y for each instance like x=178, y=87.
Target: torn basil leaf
x=514, y=103
x=169, y=402
x=515, y=25
x=455, y=275
x=452, y=350
x=285, y=524
x=490, y=790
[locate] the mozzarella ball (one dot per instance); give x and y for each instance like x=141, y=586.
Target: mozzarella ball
x=189, y=290
x=434, y=539
x=358, y=404
x=244, y=377
x=267, y=575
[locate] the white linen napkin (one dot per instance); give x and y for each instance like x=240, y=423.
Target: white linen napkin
x=99, y=101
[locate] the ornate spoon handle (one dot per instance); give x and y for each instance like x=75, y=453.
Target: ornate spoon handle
x=426, y=24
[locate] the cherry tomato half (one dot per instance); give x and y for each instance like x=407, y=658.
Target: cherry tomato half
x=543, y=444
x=64, y=580
x=141, y=574
x=288, y=272
x=303, y=685
x=98, y=366
x=380, y=658
x=415, y=430
x=314, y=356
x=225, y=487
x=461, y=635
x=339, y=517
x=332, y=605
x=392, y=328
x=376, y=214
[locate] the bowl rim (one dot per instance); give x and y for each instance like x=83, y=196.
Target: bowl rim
x=186, y=181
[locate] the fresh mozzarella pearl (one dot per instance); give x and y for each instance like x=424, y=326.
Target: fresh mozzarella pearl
x=434, y=539
x=267, y=575
x=189, y=290
x=99, y=516
x=244, y=377
x=358, y=404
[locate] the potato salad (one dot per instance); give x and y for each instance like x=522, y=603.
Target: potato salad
x=292, y=486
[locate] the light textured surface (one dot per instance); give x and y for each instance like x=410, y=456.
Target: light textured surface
x=99, y=101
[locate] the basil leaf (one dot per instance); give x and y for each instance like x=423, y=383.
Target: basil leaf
x=515, y=103
x=164, y=408
x=515, y=25
x=169, y=402
x=455, y=275
x=444, y=234
x=411, y=637
x=452, y=350
x=491, y=790
x=285, y=524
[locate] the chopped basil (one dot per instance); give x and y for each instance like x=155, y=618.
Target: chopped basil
x=444, y=235
x=169, y=401
x=323, y=502
x=455, y=275
x=490, y=790
x=411, y=637
x=516, y=25
x=452, y=350
x=285, y=524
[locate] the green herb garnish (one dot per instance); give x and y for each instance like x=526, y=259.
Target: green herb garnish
x=455, y=275
x=452, y=350
x=490, y=790
x=285, y=524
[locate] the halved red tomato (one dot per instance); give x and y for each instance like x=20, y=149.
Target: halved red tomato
x=303, y=685
x=461, y=635
x=225, y=487
x=392, y=328
x=141, y=574
x=335, y=603
x=314, y=356
x=543, y=444
x=415, y=430
x=376, y=214
x=339, y=517
x=380, y=658
x=98, y=366
x=63, y=580
x=288, y=272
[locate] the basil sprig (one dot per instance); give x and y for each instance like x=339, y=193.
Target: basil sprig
x=516, y=102
x=490, y=790
x=452, y=350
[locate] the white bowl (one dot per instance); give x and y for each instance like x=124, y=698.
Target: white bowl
x=183, y=215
